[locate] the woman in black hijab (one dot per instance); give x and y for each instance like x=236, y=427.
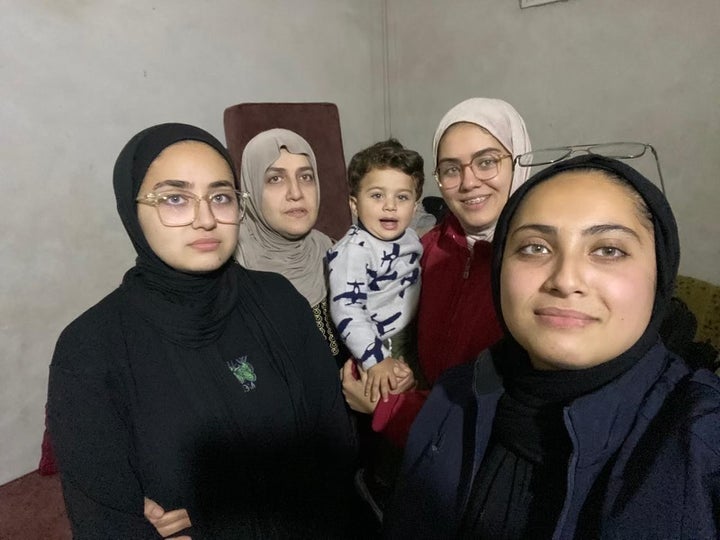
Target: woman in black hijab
x=580, y=423
x=196, y=383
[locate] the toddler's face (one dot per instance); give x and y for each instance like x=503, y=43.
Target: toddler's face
x=385, y=202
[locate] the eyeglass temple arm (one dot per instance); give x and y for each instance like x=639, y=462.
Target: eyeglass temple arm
x=657, y=164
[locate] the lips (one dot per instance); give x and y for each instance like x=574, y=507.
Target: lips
x=296, y=212
x=564, y=318
x=476, y=200
x=205, y=244
x=389, y=224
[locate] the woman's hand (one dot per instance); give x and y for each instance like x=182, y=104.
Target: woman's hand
x=404, y=375
x=167, y=523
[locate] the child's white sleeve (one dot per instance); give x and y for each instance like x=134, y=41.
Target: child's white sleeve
x=348, y=303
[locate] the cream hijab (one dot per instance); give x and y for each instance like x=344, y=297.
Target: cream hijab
x=504, y=123
x=261, y=247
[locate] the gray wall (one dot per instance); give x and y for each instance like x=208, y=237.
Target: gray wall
x=79, y=78
x=580, y=71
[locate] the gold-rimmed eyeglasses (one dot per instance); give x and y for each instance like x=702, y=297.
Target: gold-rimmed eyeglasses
x=615, y=150
x=178, y=208
x=484, y=167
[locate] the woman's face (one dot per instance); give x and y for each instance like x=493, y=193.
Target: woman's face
x=205, y=244
x=290, y=195
x=578, y=274
x=476, y=203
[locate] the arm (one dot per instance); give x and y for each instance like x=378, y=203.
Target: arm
x=348, y=304
x=91, y=438
x=334, y=441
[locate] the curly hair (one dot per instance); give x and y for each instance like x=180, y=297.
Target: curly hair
x=389, y=154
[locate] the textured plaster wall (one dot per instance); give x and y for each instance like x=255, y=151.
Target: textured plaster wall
x=580, y=71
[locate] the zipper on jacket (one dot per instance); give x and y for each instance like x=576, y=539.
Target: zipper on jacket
x=466, y=272
x=560, y=532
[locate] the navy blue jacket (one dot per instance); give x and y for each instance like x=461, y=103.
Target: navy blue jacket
x=645, y=461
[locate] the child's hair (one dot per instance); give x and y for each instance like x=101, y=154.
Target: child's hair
x=388, y=154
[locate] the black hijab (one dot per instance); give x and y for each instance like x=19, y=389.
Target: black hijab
x=564, y=385
x=188, y=309
x=667, y=243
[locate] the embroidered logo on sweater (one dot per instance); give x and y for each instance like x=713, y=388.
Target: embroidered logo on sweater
x=244, y=372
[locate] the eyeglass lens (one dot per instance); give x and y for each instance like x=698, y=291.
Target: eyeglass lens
x=483, y=167
x=177, y=209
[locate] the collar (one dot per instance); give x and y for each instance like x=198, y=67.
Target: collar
x=452, y=231
x=362, y=228
x=599, y=422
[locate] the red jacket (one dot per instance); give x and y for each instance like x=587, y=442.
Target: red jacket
x=456, y=318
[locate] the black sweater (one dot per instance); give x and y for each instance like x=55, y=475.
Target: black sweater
x=251, y=447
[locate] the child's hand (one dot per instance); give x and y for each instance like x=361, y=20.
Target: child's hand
x=404, y=376
x=381, y=379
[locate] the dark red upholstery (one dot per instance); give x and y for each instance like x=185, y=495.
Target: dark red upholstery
x=319, y=124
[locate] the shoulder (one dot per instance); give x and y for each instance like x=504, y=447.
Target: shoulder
x=354, y=237
x=97, y=329
x=696, y=408
x=446, y=235
x=411, y=237
x=270, y=286
x=453, y=394
x=430, y=238
x=353, y=249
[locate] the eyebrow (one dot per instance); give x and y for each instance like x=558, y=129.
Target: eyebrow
x=476, y=154
x=282, y=169
x=384, y=189
x=590, y=231
x=183, y=184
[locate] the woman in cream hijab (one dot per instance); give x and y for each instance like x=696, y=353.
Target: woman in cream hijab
x=279, y=174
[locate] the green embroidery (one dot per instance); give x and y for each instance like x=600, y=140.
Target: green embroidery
x=244, y=372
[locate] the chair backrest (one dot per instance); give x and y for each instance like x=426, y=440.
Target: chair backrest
x=319, y=124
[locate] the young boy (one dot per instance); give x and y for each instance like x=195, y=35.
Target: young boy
x=374, y=270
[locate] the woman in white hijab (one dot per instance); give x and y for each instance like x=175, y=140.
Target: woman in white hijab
x=279, y=174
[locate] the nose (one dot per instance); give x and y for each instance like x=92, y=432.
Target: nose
x=294, y=192
x=389, y=204
x=567, y=276
x=204, y=218
x=468, y=180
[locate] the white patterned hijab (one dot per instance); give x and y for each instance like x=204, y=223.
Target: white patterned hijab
x=504, y=123
x=262, y=248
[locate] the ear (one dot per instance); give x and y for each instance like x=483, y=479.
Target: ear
x=353, y=205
